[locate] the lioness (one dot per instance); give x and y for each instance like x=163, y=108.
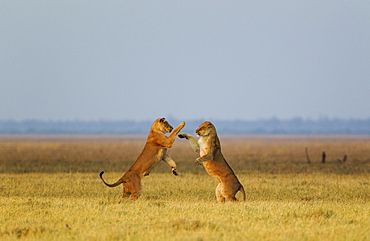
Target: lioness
x=154, y=151
x=209, y=148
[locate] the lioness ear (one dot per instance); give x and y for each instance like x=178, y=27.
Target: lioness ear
x=162, y=119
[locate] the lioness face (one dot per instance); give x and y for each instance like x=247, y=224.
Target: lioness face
x=204, y=129
x=164, y=126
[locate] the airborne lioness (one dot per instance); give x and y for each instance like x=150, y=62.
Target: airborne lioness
x=154, y=151
x=209, y=148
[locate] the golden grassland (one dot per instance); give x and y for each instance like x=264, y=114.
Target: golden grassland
x=50, y=190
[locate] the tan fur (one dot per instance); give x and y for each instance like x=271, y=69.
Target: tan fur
x=154, y=151
x=209, y=148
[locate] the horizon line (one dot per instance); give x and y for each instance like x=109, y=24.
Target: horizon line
x=192, y=119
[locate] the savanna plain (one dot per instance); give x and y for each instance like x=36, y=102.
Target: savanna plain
x=50, y=190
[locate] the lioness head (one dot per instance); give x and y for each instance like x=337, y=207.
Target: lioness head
x=205, y=129
x=162, y=125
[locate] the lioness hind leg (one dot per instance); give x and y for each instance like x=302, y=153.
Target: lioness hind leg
x=126, y=194
x=219, y=196
x=231, y=198
x=135, y=196
x=229, y=194
x=226, y=192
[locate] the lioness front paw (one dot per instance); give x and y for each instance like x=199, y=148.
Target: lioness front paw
x=182, y=124
x=183, y=135
x=198, y=161
x=174, y=171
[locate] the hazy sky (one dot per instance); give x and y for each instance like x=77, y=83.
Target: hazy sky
x=139, y=60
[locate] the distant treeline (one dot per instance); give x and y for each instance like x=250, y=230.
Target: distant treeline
x=323, y=126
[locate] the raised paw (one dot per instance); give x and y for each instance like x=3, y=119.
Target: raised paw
x=197, y=161
x=174, y=172
x=182, y=135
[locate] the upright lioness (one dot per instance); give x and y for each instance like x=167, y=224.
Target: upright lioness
x=209, y=148
x=154, y=151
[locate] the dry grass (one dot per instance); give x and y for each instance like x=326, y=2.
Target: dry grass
x=50, y=190
x=246, y=154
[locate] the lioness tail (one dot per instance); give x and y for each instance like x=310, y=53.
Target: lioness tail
x=111, y=185
x=243, y=192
